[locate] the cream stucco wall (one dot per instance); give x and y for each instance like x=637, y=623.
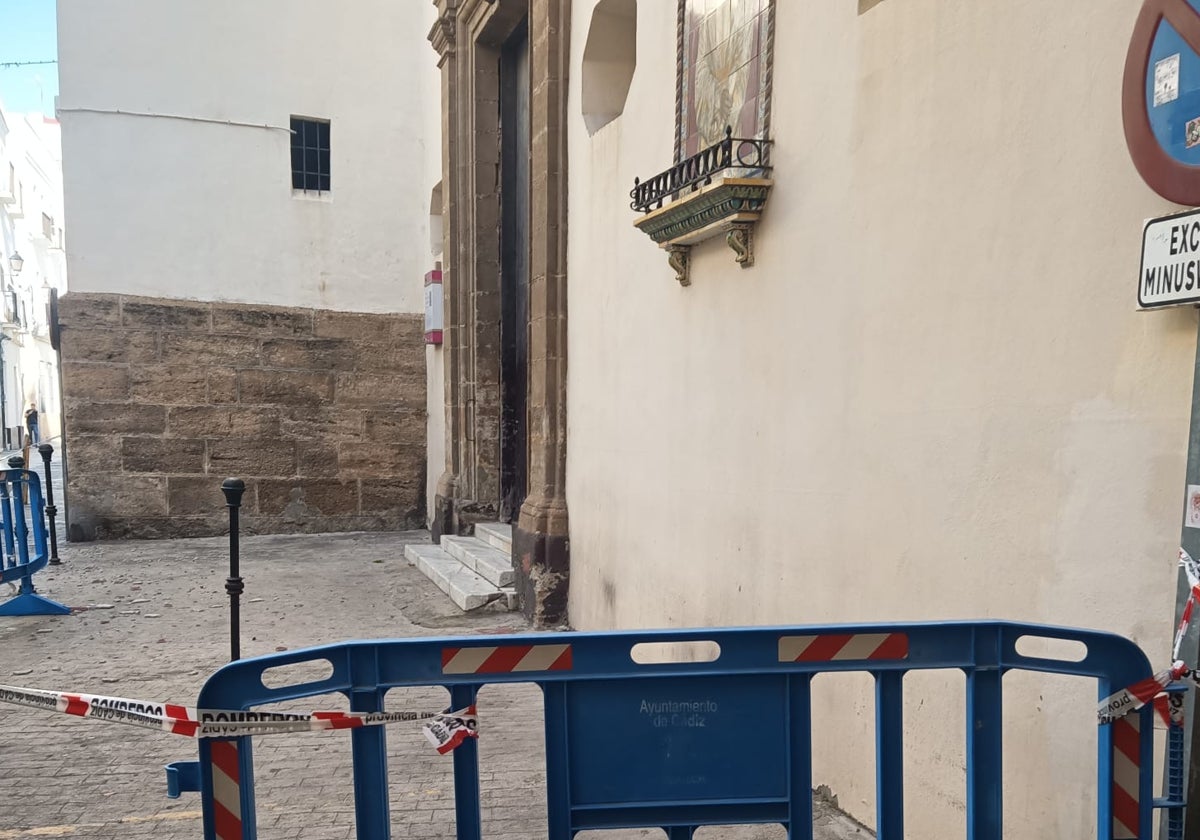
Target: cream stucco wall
x=931, y=398
x=176, y=208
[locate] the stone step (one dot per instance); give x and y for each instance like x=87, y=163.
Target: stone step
x=491, y=563
x=510, y=598
x=496, y=534
x=466, y=589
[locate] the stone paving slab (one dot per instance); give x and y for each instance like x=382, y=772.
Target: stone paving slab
x=167, y=630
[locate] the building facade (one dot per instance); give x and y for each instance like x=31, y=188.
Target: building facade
x=32, y=272
x=888, y=367
x=251, y=188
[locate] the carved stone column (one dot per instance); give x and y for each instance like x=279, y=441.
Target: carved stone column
x=443, y=36
x=540, y=539
x=469, y=36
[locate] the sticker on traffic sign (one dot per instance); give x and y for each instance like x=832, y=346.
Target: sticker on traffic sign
x=1161, y=98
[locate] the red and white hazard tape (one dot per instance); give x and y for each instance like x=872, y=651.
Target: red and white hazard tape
x=1152, y=690
x=1116, y=706
x=445, y=730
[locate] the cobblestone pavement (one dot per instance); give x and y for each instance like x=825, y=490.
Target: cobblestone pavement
x=167, y=629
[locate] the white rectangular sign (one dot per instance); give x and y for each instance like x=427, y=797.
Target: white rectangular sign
x=1170, y=272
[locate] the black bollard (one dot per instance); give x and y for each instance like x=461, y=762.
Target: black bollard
x=233, y=488
x=51, y=511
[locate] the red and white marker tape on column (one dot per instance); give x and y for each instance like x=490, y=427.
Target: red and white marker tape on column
x=1169, y=707
x=445, y=730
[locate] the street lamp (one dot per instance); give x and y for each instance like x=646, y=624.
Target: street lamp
x=16, y=262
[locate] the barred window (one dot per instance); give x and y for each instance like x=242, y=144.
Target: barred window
x=310, y=155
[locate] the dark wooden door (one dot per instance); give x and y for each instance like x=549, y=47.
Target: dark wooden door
x=514, y=269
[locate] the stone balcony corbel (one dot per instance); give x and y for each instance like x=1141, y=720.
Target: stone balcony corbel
x=721, y=191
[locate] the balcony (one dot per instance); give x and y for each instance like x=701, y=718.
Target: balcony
x=721, y=190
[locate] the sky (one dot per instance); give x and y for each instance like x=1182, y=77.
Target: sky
x=28, y=33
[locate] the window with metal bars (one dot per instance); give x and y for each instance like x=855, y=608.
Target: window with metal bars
x=310, y=155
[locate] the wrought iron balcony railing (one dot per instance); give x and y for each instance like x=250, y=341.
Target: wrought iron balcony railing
x=698, y=170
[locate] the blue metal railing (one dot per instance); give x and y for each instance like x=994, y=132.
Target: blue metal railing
x=21, y=512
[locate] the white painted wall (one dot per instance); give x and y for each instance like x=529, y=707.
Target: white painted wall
x=930, y=399
x=185, y=209
x=30, y=145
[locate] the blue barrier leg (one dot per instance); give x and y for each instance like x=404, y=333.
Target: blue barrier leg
x=558, y=790
x=6, y=517
x=466, y=772
x=1146, y=781
x=889, y=755
x=985, y=779
x=30, y=603
x=368, y=746
x=800, y=821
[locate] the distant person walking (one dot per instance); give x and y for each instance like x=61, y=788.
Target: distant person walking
x=31, y=423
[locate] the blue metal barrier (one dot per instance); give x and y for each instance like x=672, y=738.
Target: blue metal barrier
x=21, y=520
x=669, y=745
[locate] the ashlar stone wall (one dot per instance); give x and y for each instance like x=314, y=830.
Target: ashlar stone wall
x=322, y=413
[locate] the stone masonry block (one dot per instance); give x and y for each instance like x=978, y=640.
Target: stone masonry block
x=162, y=455
x=80, y=310
x=114, y=418
x=302, y=498
x=366, y=327
x=258, y=457
x=316, y=458
x=311, y=354
x=195, y=495
x=324, y=424
x=373, y=460
x=403, y=359
x=108, y=495
x=239, y=319
x=145, y=313
x=91, y=454
x=222, y=385
x=99, y=345
x=95, y=382
x=284, y=387
x=169, y=384
x=378, y=389
x=200, y=348
x=396, y=426
x=380, y=495
x=222, y=421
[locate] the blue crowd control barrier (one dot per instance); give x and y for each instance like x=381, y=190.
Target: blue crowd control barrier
x=21, y=520
x=669, y=744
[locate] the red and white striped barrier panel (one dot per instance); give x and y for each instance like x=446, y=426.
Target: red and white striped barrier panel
x=1126, y=769
x=506, y=659
x=836, y=647
x=226, y=790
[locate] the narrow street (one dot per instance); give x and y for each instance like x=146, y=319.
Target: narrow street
x=152, y=624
